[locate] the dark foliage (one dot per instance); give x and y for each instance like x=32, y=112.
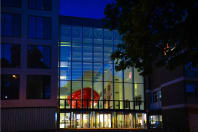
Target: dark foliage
x=155, y=33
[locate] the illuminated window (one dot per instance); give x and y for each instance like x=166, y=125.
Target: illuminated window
x=155, y=121
x=192, y=89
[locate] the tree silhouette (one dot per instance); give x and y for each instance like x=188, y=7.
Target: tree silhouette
x=155, y=33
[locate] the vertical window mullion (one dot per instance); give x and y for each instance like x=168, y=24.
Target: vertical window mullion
x=103, y=67
x=71, y=66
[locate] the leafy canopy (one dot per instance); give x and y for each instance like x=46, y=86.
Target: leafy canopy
x=155, y=33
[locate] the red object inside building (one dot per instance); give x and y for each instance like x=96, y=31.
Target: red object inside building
x=76, y=98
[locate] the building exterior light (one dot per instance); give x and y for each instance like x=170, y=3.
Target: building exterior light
x=14, y=76
x=63, y=77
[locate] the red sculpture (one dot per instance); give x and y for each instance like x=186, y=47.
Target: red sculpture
x=76, y=98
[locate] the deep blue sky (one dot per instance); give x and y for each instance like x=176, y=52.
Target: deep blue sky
x=83, y=8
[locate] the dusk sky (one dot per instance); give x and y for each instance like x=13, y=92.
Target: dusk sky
x=83, y=8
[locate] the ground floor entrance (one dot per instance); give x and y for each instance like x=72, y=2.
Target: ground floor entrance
x=102, y=120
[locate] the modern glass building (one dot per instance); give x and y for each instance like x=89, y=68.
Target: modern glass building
x=92, y=94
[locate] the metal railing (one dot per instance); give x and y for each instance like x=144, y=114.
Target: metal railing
x=100, y=104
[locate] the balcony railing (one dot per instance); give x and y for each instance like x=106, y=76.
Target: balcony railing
x=101, y=104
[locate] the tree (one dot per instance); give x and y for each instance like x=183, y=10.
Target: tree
x=155, y=33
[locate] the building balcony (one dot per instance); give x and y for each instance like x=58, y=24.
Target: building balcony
x=88, y=104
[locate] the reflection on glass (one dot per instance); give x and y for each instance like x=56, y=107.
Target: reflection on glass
x=108, y=95
x=76, y=34
x=85, y=120
x=65, y=52
x=141, y=120
x=98, y=35
x=139, y=96
x=38, y=56
x=128, y=75
x=87, y=72
x=137, y=77
x=108, y=72
x=65, y=31
x=98, y=72
x=128, y=96
x=120, y=120
x=10, y=55
x=118, y=76
x=88, y=80
x=118, y=96
x=129, y=122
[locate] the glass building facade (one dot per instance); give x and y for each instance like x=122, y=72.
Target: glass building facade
x=92, y=93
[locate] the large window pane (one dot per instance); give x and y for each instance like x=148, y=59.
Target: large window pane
x=10, y=86
x=128, y=95
x=98, y=72
x=76, y=70
x=88, y=94
x=98, y=87
x=65, y=92
x=108, y=35
x=10, y=55
x=107, y=53
x=87, y=53
x=98, y=53
x=128, y=75
x=65, y=52
x=87, y=34
x=65, y=72
x=76, y=34
x=76, y=94
x=38, y=56
x=118, y=76
x=10, y=25
x=77, y=52
x=118, y=95
x=87, y=71
x=65, y=33
x=108, y=95
x=39, y=27
x=140, y=120
x=38, y=87
x=65, y=120
x=108, y=72
x=137, y=77
x=40, y=4
x=139, y=96
x=98, y=35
